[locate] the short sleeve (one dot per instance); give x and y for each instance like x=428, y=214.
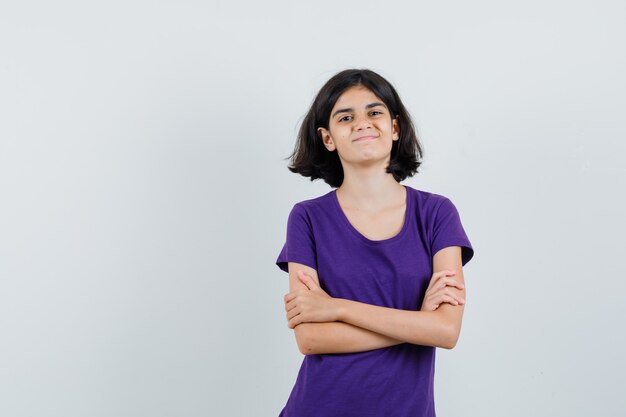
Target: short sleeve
x=448, y=231
x=300, y=242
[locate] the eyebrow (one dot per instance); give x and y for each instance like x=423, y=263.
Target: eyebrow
x=369, y=106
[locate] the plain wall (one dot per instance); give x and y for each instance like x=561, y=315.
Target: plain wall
x=144, y=196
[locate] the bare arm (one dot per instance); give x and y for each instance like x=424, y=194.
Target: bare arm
x=332, y=337
x=338, y=337
x=439, y=328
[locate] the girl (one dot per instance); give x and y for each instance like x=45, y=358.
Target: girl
x=375, y=267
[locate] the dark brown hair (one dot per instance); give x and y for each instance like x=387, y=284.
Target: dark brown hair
x=310, y=157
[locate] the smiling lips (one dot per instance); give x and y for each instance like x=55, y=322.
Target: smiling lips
x=365, y=138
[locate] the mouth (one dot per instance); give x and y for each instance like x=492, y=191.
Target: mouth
x=365, y=138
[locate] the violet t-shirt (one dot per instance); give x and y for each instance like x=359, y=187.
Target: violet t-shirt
x=395, y=381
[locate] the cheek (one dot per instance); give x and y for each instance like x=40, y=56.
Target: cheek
x=341, y=134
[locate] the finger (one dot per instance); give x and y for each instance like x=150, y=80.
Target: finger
x=290, y=296
x=454, y=283
x=445, y=272
x=433, y=281
x=450, y=299
x=446, y=300
x=300, y=298
x=293, y=322
x=295, y=293
x=438, y=299
x=438, y=275
x=449, y=282
x=308, y=281
x=441, y=284
x=292, y=313
x=452, y=294
x=290, y=305
x=434, y=300
x=305, y=279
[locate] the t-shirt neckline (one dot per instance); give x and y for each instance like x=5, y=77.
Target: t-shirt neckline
x=360, y=236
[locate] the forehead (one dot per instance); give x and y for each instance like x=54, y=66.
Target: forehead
x=356, y=97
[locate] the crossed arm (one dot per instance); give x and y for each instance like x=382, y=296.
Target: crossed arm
x=323, y=324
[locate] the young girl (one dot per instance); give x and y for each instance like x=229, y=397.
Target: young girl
x=375, y=267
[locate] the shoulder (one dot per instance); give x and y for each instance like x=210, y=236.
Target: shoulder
x=313, y=205
x=433, y=208
x=428, y=202
x=313, y=212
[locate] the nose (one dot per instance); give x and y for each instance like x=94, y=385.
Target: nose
x=362, y=122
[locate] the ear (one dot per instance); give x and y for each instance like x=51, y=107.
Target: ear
x=324, y=134
x=395, y=128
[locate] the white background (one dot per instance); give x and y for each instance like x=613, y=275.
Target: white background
x=144, y=196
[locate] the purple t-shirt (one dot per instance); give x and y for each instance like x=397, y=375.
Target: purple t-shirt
x=396, y=381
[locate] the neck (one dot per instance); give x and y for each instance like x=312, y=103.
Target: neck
x=369, y=188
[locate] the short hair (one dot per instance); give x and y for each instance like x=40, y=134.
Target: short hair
x=310, y=158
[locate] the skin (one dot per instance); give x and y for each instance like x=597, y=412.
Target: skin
x=362, y=132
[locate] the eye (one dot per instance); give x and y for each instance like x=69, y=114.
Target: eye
x=345, y=118
x=376, y=112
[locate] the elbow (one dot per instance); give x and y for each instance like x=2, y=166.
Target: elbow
x=303, y=340
x=448, y=344
x=305, y=348
x=450, y=337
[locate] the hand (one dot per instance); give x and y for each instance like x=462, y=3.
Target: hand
x=309, y=305
x=438, y=291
